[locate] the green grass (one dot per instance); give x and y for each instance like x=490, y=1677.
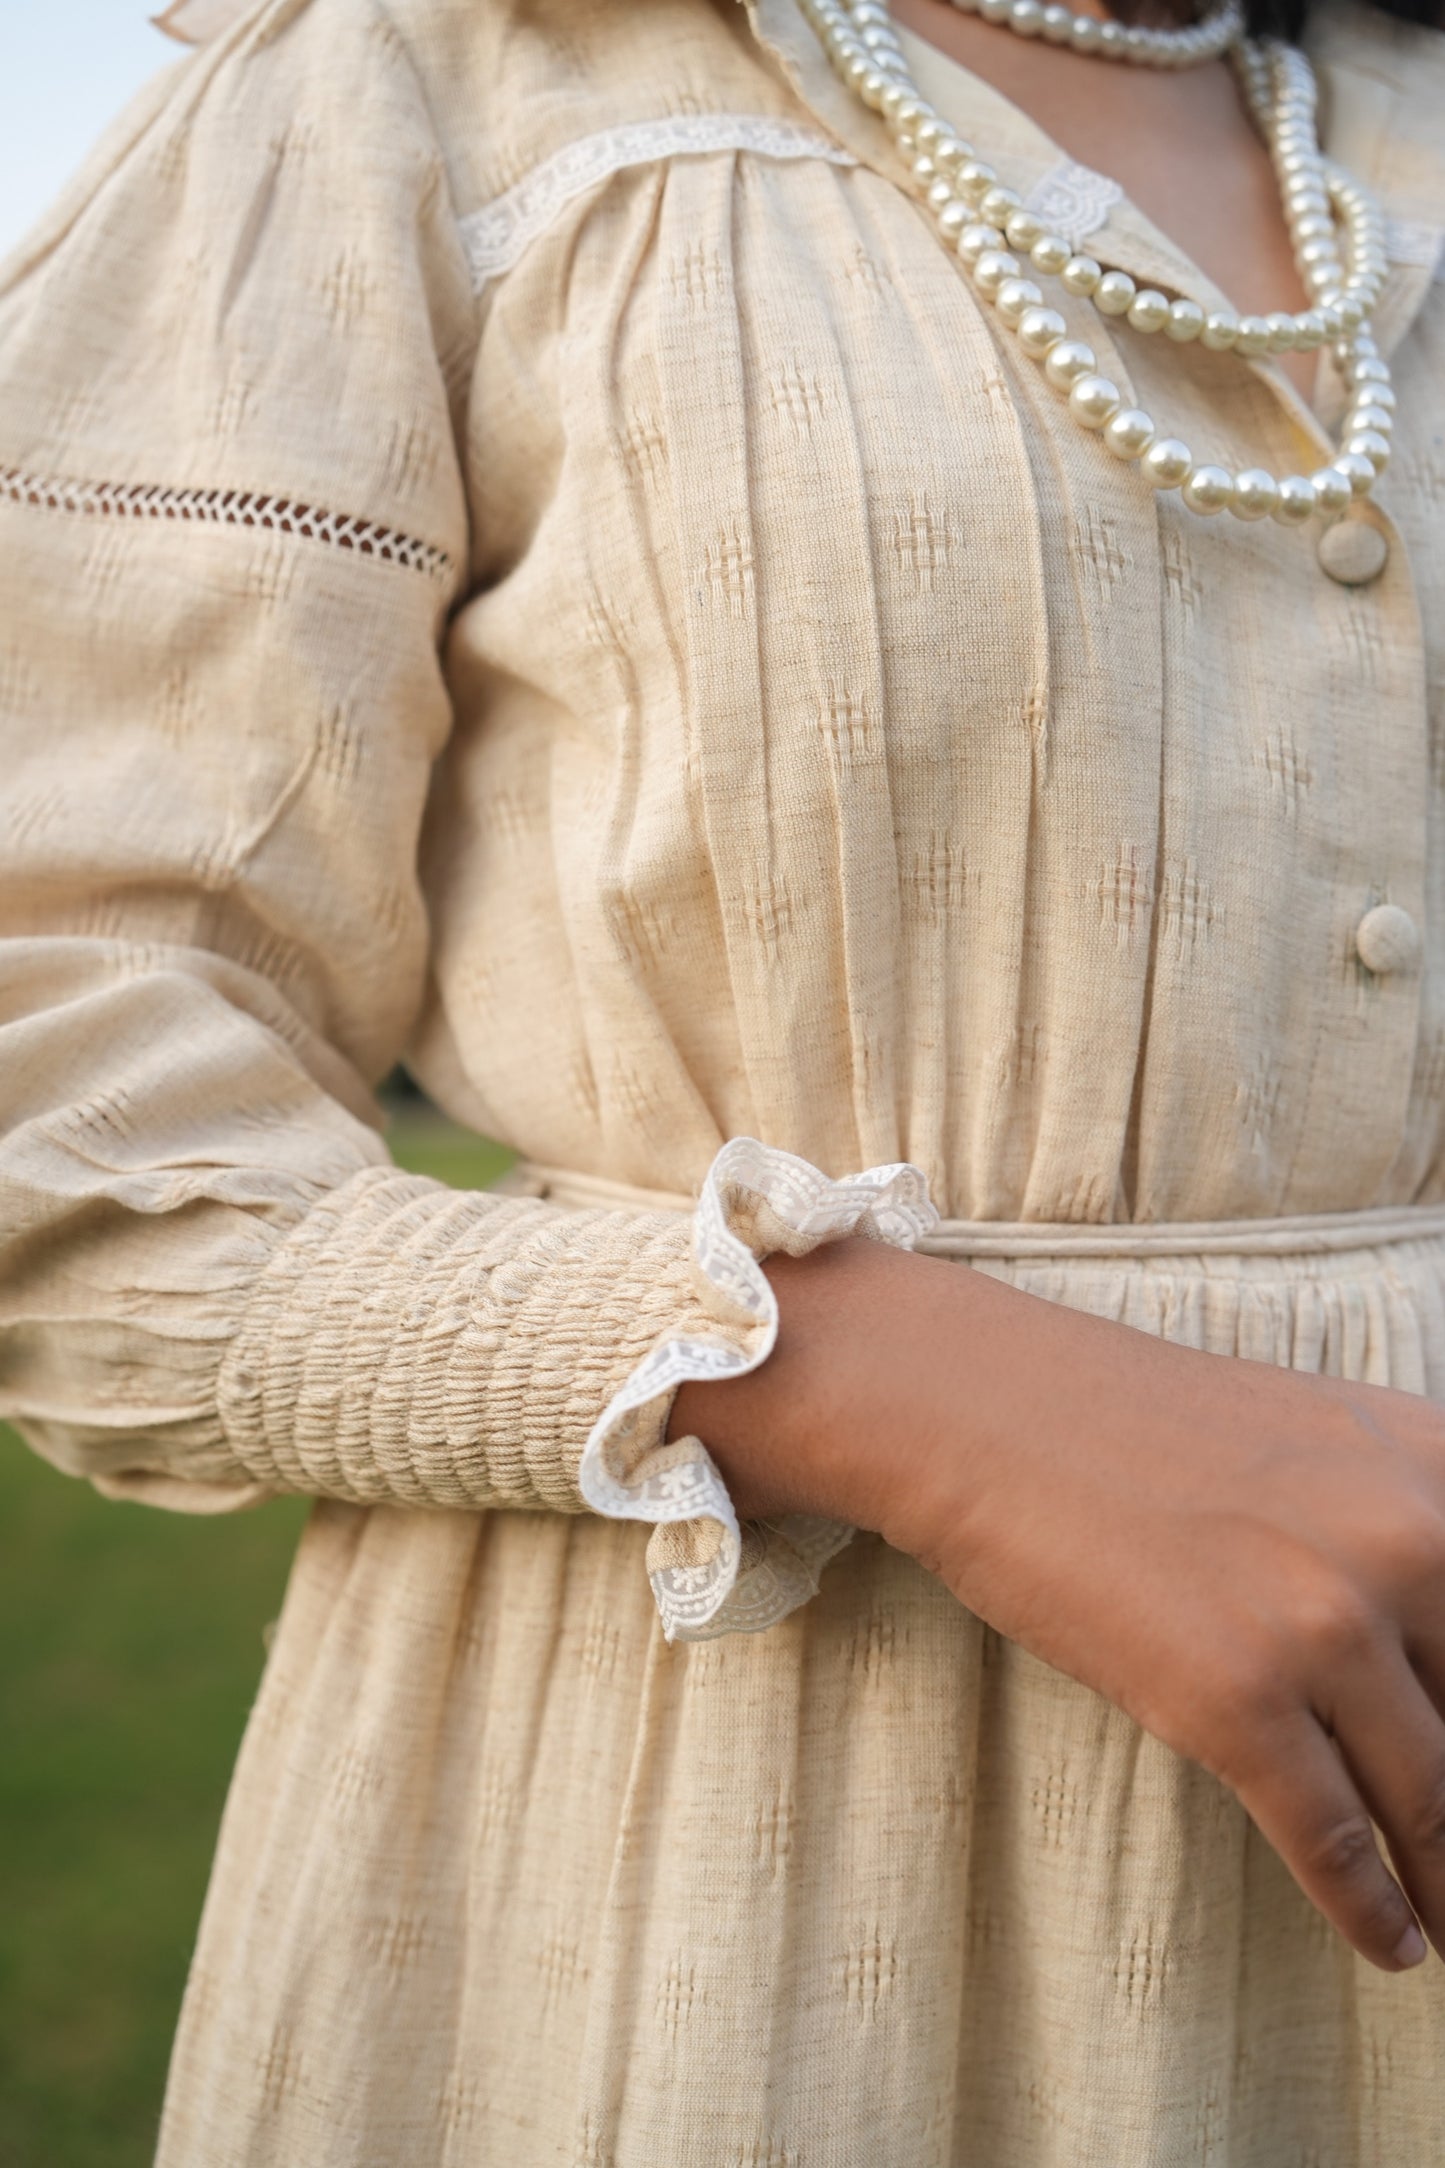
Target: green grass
x=132, y=1649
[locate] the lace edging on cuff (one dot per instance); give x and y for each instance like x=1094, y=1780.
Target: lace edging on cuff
x=713, y=1576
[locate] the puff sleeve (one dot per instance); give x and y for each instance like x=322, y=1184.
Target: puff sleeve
x=234, y=374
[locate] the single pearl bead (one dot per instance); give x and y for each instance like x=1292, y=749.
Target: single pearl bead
x=1094, y=400
x=930, y=133
x=1253, y=335
x=976, y=178
x=1166, y=463
x=1372, y=445
x=1014, y=296
x=995, y=11
x=1368, y=369
x=940, y=195
x=1149, y=310
x=1186, y=320
x=1040, y=331
x=1081, y=275
x=1332, y=489
x=1307, y=229
x=1050, y=253
x=1370, y=416
x=1221, y=329
x=1114, y=293
x=1357, y=470
x=1309, y=330
x=1058, y=24
x=993, y=267
x=1130, y=433
x=1255, y=494
x=1208, y=489
x=1296, y=500
x=1382, y=395
x=1026, y=17
x=976, y=240
x=997, y=203
x=1283, y=332
x=951, y=154
x=1069, y=360
x=1085, y=34
x=952, y=219
x=1023, y=227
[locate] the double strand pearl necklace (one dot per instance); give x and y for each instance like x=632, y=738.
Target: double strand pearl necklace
x=1057, y=25
x=984, y=221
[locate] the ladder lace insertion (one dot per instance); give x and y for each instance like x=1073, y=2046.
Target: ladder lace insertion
x=226, y=508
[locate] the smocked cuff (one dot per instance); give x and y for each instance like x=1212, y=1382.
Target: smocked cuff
x=710, y=1575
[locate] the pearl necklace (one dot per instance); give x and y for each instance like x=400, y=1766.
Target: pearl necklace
x=984, y=221
x=1057, y=25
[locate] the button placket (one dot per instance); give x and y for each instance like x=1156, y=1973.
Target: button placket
x=1387, y=940
x=1355, y=550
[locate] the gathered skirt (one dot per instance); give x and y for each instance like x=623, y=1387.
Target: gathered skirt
x=506, y=1880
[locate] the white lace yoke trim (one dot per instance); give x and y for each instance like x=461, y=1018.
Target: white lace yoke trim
x=496, y=235
x=1073, y=200
x=225, y=508
x=1414, y=242
x=709, y=1575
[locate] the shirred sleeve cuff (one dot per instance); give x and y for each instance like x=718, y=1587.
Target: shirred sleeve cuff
x=709, y=1574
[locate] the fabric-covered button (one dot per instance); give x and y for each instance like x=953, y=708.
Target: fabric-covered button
x=1387, y=939
x=1353, y=551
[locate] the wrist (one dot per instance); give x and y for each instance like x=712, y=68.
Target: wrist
x=826, y=1424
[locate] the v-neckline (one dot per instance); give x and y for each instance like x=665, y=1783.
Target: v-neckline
x=1125, y=238
x=1127, y=235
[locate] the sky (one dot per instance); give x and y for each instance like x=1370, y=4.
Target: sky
x=66, y=67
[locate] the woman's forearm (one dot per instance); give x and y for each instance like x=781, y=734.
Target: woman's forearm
x=1247, y=1560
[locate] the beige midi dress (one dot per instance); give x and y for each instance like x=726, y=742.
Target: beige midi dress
x=522, y=554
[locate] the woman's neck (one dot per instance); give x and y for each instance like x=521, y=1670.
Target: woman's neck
x=1179, y=143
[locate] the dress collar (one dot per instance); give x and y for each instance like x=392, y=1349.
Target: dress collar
x=196, y=22
x=1383, y=88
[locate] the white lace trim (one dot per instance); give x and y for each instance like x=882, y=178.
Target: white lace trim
x=1073, y=200
x=224, y=508
x=1411, y=241
x=754, y=1197
x=495, y=236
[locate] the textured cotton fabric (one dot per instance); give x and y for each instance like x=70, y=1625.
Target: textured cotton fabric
x=522, y=552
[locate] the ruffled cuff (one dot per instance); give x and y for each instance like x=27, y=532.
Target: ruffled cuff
x=710, y=1575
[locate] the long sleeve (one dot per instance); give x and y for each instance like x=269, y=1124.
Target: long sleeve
x=235, y=371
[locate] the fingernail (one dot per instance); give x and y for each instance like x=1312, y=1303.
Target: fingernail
x=1410, y=1949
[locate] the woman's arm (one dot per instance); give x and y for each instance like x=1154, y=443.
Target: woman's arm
x=235, y=366
x=1248, y=1561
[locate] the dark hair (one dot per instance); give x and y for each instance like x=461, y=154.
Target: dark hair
x=1271, y=18
x=1286, y=18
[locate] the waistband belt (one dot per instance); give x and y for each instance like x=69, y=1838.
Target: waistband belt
x=1301, y=1233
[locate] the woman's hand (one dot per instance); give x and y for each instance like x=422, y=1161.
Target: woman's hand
x=1249, y=1561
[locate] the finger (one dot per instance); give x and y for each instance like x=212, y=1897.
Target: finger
x=1306, y=1803
x=1393, y=1740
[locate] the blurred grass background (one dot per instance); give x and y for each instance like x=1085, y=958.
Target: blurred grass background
x=132, y=1651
